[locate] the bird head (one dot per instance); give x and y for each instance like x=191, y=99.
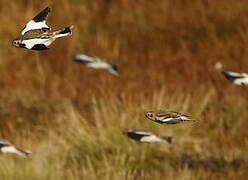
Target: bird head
x=125, y=132
x=17, y=43
x=151, y=115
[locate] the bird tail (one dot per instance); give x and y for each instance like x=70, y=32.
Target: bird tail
x=186, y=118
x=168, y=139
x=114, y=70
x=23, y=153
x=64, y=32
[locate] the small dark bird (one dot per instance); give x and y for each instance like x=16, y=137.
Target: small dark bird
x=96, y=63
x=36, y=35
x=167, y=117
x=146, y=137
x=240, y=79
x=7, y=147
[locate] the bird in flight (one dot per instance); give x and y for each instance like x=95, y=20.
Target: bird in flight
x=146, y=137
x=240, y=79
x=7, y=147
x=36, y=35
x=167, y=117
x=96, y=63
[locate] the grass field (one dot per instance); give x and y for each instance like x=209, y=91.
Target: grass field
x=72, y=117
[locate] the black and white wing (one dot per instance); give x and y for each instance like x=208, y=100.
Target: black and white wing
x=84, y=59
x=171, y=120
x=13, y=150
x=4, y=143
x=171, y=117
x=36, y=44
x=38, y=22
x=137, y=135
x=236, y=78
x=233, y=75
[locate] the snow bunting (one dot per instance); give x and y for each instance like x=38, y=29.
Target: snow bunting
x=167, y=117
x=36, y=35
x=96, y=63
x=7, y=147
x=240, y=79
x=146, y=137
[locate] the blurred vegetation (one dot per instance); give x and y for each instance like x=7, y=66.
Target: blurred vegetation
x=72, y=117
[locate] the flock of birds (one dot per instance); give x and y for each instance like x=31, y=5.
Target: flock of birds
x=37, y=35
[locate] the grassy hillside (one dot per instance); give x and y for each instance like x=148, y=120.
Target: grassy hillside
x=72, y=117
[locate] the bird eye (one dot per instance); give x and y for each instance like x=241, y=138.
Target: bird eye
x=149, y=114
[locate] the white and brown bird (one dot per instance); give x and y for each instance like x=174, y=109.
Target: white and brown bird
x=240, y=79
x=96, y=63
x=36, y=35
x=7, y=147
x=146, y=137
x=167, y=117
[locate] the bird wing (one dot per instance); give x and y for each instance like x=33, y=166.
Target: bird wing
x=171, y=117
x=241, y=81
x=84, y=59
x=38, y=22
x=143, y=133
x=150, y=139
x=9, y=149
x=167, y=115
x=30, y=43
x=137, y=135
x=13, y=150
x=171, y=120
x=5, y=142
x=236, y=78
x=233, y=75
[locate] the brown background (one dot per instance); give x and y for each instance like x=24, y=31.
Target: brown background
x=72, y=117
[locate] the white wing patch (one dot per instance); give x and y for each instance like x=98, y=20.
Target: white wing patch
x=98, y=65
x=142, y=133
x=150, y=139
x=31, y=25
x=9, y=149
x=235, y=74
x=241, y=81
x=184, y=118
x=31, y=42
x=13, y=150
x=168, y=119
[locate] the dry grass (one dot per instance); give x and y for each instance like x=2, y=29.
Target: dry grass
x=72, y=117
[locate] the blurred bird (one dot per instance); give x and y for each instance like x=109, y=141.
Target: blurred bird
x=7, y=147
x=240, y=79
x=36, y=35
x=96, y=63
x=146, y=137
x=167, y=117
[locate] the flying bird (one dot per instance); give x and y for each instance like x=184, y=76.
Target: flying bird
x=167, y=117
x=36, y=35
x=240, y=79
x=7, y=147
x=146, y=137
x=96, y=63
